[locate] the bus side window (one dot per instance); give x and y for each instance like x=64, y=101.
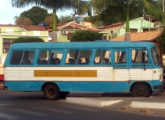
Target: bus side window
x=103, y=57
x=84, y=57
x=43, y=57
x=106, y=56
x=139, y=56
x=55, y=58
x=98, y=57
x=120, y=57
x=71, y=57
x=16, y=57
x=27, y=58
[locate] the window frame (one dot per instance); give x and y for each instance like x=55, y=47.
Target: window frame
x=89, y=61
x=158, y=56
x=50, y=52
x=23, y=57
x=123, y=65
x=101, y=62
x=76, y=63
x=56, y=51
x=26, y=65
x=140, y=65
x=39, y=51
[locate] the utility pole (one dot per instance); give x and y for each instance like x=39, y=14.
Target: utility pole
x=163, y=6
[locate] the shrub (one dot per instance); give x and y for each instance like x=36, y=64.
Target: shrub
x=85, y=35
x=27, y=40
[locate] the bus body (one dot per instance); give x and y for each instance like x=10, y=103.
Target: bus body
x=57, y=68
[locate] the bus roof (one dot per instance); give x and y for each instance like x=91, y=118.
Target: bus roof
x=75, y=45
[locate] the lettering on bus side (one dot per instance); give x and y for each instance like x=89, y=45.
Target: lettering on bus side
x=65, y=73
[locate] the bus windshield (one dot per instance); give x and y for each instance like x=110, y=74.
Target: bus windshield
x=155, y=56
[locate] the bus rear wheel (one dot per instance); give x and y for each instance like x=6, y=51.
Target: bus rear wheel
x=141, y=90
x=51, y=92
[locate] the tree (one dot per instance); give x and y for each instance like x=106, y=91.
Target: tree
x=27, y=40
x=81, y=7
x=123, y=10
x=99, y=5
x=35, y=14
x=85, y=35
x=51, y=4
x=158, y=11
x=64, y=19
x=23, y=21
x=49, y=20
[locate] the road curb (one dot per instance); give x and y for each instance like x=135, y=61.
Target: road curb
x=150, y=105
x=92, y=102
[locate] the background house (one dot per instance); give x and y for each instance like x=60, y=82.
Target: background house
x=138, y=25
x=148, y=36
x=65, y=31
x=111, y=31
x=10, y=32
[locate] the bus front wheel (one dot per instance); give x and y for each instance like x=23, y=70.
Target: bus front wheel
x=51, y=92
x=141, y=90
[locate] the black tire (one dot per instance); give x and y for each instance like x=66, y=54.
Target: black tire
x=51, y=92
x=63, y=95
x=141, y=90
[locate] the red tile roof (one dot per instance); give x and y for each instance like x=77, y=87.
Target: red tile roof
x=27, y=27
x=112, y=25
x=140, y=36
x=34, y=28
x=73, y=25
x=9, y=25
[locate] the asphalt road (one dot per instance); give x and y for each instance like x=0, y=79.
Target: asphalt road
x=32, y=106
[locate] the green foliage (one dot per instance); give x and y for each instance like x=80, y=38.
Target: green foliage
x=95, y=20
x=81, y=7
x=23, y=21
x=27, y=40
x=162, y=42
x=35, y=14
x=153, y=8
x=85, y=35
x=99, y=5
x=64, y=19
x=111, y=11
x=117, y=10
x=50, y=4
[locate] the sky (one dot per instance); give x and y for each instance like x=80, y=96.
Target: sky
x=8, y=13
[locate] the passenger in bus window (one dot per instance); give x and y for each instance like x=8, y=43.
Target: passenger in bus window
x=55, y=58
x=72, y=57
x=43, y=57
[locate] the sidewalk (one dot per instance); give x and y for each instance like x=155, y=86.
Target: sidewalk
x=97, y=100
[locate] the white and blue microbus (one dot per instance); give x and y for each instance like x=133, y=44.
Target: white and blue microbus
x=58, y=68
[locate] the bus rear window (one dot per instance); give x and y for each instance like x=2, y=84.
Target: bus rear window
x=16, y=57
x=22, y=57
